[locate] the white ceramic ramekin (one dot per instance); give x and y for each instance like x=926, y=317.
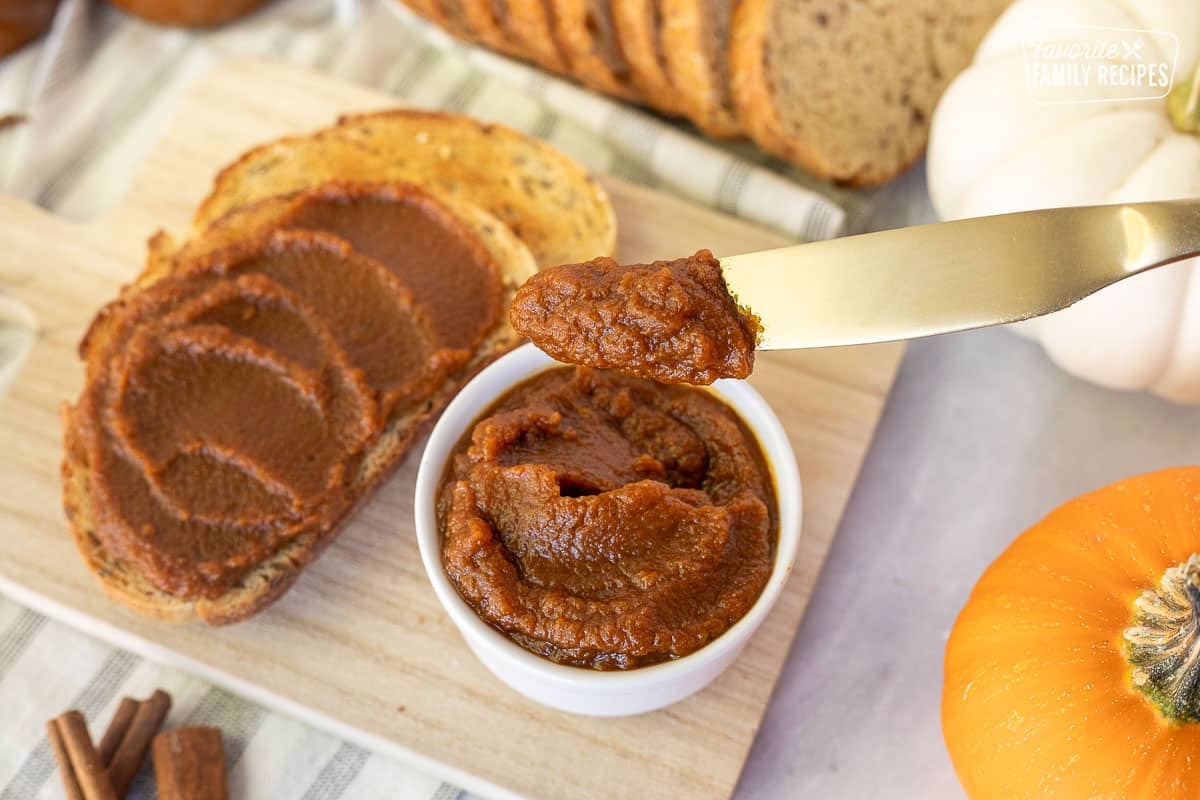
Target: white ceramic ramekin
x=573, y=689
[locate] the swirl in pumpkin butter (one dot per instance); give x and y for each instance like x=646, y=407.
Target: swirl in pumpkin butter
x=255, y=394
x=671, y=321
x=606, y=521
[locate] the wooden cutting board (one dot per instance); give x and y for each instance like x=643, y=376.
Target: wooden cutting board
x=360, y=646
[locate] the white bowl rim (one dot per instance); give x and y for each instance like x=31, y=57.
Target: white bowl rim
x=479, y=394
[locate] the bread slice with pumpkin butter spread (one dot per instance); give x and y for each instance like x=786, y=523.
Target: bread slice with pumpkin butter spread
x=549, y=201
x=295, y=369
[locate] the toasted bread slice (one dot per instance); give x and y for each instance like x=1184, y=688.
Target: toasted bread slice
x=637, y=24
x=559, y=211
x=695, y=41
x=486, y=22
x=587, y=37
x=454, y=20
x=530, y=24
x=866, y=121
x=269, y=579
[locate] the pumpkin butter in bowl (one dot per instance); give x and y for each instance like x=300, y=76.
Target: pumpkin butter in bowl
x=607, y=544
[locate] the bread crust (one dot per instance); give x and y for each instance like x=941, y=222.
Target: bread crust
x=683, y=33
x=574, y=31
x=446, y=154
x=272, y=578
x=634, y=23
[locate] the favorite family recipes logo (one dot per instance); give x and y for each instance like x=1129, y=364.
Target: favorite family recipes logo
x=1084, y=64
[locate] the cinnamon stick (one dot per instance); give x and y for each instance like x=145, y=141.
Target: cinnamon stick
x=59, y=748
x=189, y=764
x=89, y=772
x=117, y=727
x=131, y=753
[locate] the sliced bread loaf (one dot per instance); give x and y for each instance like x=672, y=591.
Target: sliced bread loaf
x=846, y=88
x=547, y=200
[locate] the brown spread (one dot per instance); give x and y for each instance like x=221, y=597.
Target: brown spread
x=392, y=226
x=234, y=404
x=672, y=321
x=607, y=521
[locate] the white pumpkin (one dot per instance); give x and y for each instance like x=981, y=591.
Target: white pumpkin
x=994, y=149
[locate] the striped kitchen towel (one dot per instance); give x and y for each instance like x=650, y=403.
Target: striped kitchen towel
x=96, y=92
x=99, y=87
x=46, y=668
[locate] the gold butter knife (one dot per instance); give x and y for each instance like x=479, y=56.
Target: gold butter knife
x=954, y=276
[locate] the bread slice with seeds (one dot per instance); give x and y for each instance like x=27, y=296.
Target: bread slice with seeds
x=846, y=88
x=588, y=40
x=637, y=24
x=559, y=211
x=695, y=39
x=486, y=22
x=430, y=10
x=530, y=22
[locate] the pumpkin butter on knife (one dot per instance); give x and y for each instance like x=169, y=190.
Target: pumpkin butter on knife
x=670, y=321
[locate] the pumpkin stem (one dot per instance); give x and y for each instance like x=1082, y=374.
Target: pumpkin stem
x=1183, y=104
x=1163, y=643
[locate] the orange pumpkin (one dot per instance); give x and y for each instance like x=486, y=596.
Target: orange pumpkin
x=1073, y=671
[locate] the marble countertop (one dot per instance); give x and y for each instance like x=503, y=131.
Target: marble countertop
x=981, y=437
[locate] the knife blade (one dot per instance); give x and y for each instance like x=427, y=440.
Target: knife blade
x=954, y=276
